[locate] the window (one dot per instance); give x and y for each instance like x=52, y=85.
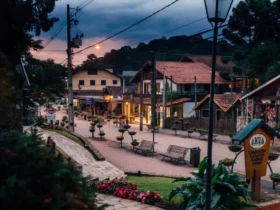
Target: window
x=205, y=113
x=147, y=87
x=158, y=87
x=115, y=82
x=81, y=82
x=206, y=87
x=103, y=82
x=92, y=82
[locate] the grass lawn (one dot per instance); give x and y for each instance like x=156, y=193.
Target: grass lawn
x=161, y=185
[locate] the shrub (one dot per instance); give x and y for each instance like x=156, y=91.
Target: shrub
x=35, y=177
x=227, y=189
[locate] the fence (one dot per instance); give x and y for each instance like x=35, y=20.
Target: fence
x=220, y=126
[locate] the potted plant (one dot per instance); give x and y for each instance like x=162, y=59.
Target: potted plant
x=62, y=124
x=99, y=125
x=134, y=143
x=235, y=147
x=120, y=138
x=59, y=107
x=131, y=118
x=273, y=156
x=92, y=123
x=101, y=134
x=132, y=133
x=121, y=130
x=126, y=126
x=275, y=177
x=227, y=161
x=91, y=129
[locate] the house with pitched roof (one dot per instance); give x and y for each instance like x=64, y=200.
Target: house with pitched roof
x=186, y=81
x=226, y=108
x=224, y=66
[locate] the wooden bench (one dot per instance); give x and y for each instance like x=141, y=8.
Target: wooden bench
x=175, y=153
x=150, y=128
x=203, y=134
x=145, y=147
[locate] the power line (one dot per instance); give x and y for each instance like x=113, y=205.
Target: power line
x=129, y=27
x=174, y=29
x=78, y=9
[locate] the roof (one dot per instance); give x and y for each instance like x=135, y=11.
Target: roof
x=224, y=101
x=260, y=87
x=131, y=89
x=184, y=72
x=176, y=101
x=251, y=127
x=207, y=59
x=114, y=90
x=128, y=73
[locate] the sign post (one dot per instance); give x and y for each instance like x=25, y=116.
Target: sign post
x=256, y=137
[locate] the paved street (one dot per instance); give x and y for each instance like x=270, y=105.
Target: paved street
x=128, y=161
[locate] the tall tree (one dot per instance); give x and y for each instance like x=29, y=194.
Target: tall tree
x=252, y=27
x=20, y=20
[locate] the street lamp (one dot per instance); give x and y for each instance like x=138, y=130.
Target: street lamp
x=217, y=12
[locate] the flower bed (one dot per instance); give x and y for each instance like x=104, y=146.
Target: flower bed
x=129, y=191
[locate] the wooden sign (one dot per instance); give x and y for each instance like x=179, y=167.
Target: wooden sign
x=256, y=148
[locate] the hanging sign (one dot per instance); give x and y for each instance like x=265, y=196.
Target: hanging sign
x=256, y=149
x=51, y=114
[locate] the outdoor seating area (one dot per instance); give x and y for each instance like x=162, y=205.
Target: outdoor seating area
x=145, y=147
x=175, y=153
x=150, y=128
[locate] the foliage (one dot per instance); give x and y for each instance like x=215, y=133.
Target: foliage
x=171, y=49
x=21, y=21
x=227, y=189
x=35, y=177
x=124, y=189
x=47, y=81
x=40, y=120
x=253, y=29
x=227, y=160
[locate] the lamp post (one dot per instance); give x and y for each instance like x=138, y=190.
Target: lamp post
x=217, y=12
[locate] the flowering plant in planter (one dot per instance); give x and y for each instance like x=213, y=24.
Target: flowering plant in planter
x=129, y=190
x=227, y=161
x=119, y=138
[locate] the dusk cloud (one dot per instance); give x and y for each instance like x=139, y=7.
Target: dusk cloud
x=103, y=18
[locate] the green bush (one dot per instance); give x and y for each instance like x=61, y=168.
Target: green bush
x=40, y=120
x=34, y=177
x=228, y=191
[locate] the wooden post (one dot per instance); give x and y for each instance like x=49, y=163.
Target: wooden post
x=256, y=186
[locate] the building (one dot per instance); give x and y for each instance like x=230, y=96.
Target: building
x=96, y=84
x=224, y=66
x=187, y=81
x=264, y=101
x=225, y=112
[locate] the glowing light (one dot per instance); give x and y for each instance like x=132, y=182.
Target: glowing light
x=97, y=47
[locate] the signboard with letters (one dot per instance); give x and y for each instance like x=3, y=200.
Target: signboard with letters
x=256, y=149
x=51, y=114
x=256, y=137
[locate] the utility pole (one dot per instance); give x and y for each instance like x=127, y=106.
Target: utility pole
x=195, y=97
x=123, y=84
x=163, y=100
x=153, y=83
x=141, y=101
x=70, y=85
x=171, y=99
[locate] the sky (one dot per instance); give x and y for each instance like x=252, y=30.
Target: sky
x=102, y=18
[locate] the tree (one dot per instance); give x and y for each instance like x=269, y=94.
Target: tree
x=47, y=81
x=34, y=177
x=20, y=20
x=252, y=28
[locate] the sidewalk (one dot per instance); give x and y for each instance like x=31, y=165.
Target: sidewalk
x=96, y=169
